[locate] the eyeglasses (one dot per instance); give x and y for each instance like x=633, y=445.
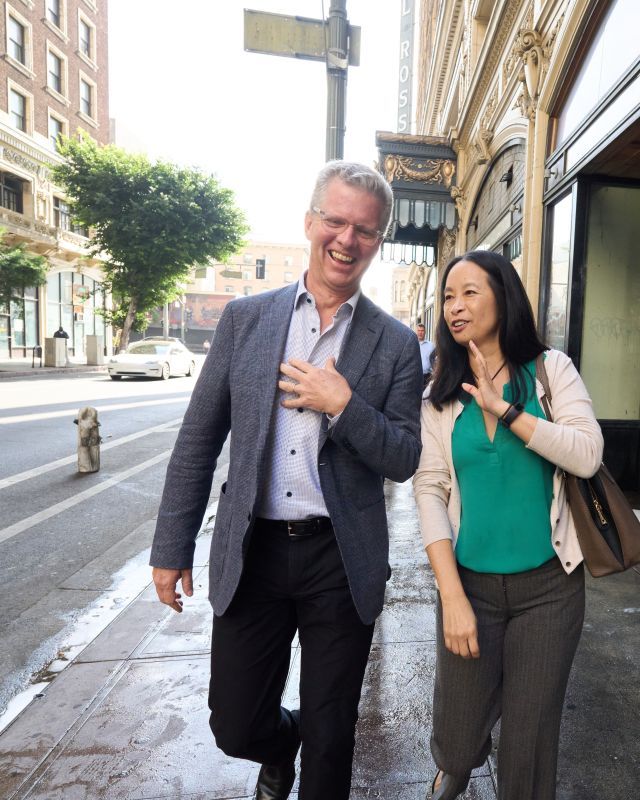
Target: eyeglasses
x=337, y=225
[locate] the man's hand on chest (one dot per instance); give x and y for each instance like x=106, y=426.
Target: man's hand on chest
x=320, y=389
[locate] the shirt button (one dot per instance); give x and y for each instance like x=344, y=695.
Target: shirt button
x=557, y=544
x=567, y=563
x=313, y=330
x=288, y=494
x=293, y=452
x=308, y=300
x=300, y=410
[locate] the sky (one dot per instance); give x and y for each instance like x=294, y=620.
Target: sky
x=183, y=89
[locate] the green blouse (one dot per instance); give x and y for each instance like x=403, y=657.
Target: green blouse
x=506, y=493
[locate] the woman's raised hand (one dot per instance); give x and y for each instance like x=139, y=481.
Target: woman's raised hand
x=485, y=393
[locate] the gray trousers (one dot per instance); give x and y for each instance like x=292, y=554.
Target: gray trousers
x=529, y=625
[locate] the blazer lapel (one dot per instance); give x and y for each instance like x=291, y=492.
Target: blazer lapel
x=362, y=338
x=365, y=330
x=273, y=327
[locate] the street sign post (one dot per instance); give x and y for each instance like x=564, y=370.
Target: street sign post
x=333, y=41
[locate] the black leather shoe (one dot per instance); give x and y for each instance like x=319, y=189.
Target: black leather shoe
x=276, y=781
x=450, y=787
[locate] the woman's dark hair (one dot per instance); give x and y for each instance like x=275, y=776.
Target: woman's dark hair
x=519, y=340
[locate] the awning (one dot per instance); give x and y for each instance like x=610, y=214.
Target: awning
x=421, y=171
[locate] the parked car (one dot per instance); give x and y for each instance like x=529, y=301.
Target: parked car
x=153, y=358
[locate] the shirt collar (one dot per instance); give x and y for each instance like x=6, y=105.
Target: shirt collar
x=302, y=292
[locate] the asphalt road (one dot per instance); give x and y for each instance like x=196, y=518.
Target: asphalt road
x=73, y=546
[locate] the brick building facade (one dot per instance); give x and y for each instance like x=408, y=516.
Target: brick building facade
x=53, y=81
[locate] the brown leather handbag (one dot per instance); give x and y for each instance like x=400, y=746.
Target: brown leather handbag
x=607, y=527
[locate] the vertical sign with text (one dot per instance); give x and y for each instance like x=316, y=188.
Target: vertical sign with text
x=406, y=66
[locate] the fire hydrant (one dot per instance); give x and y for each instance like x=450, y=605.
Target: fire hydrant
x=88, y=440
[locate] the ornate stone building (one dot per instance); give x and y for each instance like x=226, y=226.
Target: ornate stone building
x=539, y=104
x=53, y=80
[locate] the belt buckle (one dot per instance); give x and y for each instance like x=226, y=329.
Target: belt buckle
x=291, y=531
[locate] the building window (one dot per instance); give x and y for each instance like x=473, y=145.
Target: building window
x=61, y=215
x=229, y=289
x=86, y=39
x=288, y=261
x=10, y=193
x=17, y=41
x=18, y=110
x=56, y=129
x=288, y=277
x=246, y=275
x=247, y=258
x=247, y=291
x=54, y=72
x=88, y=99
x=54, y=13
x=62, y=218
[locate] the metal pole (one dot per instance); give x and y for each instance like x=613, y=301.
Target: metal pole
x=337, y=64
x=165, y=320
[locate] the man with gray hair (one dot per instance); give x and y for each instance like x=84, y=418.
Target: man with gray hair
x=320, y=390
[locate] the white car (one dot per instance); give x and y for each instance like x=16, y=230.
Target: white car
x=153, y=358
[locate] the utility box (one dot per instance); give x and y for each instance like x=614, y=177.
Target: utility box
x=55, y=352
x=95, y=350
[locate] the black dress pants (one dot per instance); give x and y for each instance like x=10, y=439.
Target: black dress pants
x=288, y=585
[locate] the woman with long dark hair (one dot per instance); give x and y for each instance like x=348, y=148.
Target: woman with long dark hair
x=498, y=531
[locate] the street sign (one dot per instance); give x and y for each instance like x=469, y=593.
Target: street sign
x=293, y=37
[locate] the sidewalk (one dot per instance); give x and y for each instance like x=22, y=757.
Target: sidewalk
x=128, y=720
x=22, y=368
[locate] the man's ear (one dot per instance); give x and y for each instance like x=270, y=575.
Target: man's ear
x=308, y=222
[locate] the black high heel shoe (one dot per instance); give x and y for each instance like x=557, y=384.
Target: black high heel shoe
x=451, y=786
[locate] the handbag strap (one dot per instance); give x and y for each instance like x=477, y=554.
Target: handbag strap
x=541, y=375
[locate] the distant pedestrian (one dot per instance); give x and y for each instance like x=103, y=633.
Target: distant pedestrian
x=498, y=531
x=426, y=352
x=205, y=346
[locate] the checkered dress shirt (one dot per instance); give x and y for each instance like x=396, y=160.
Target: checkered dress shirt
x=292, y=484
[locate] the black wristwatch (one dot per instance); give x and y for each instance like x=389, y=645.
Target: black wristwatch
x=512, y=413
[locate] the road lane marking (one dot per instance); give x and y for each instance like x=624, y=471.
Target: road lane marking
x=58, y=508
x=61, y=462
x=70, y=412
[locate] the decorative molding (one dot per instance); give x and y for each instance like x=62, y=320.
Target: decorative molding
x=530, y=71
x=458, y=197
x=446, y=247
x=410, y=138
x=21, y=161
x=489, y=68
x=490, y=108
x=428, y=171
x=481, y=145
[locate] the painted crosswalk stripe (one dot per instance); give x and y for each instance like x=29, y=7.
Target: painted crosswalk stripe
x=58, y=508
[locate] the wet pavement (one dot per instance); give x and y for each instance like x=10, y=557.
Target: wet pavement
x=128, y=719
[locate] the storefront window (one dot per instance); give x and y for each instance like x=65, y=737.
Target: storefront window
x=556, y=315
x=612, y=51
x=73, y=299
x=610, y=360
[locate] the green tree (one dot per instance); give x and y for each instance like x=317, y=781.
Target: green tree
x=19, y=269
x=151, y=222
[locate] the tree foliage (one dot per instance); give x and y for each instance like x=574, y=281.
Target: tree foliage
x=150, y=221
x=18, y=270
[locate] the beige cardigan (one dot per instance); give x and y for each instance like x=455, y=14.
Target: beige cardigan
x=573, y=442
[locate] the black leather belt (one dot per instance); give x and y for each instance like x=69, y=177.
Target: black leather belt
x=298, y=528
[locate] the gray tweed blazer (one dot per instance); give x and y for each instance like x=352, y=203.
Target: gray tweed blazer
x=377, y=436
